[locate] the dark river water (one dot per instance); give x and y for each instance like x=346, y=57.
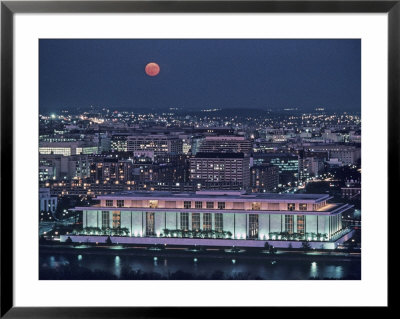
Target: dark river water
x=65, y=266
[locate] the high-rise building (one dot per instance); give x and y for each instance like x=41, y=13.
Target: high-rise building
x=288, y=165
x=221, y=167
x=111, y=169
x=310, y=164
x=264, y=178
x=158, y=143
x=119, y=142
x=60, y=167
x=226, y=144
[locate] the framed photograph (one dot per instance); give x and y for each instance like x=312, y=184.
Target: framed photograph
x=159, y=155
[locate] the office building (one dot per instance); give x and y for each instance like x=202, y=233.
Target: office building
x=111, y=169
x=160, y=144
x=264, y=178
x=288, y=165
x=226, y=144
x=119, y=142
x=221, y=167
x=68, y=148
x=60, y=167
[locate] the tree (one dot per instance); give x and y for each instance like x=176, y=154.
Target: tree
x=108, y=241
x=272, y=250
x=266, y=245
x=351, y=245
x=305, y=245
x=68, y=240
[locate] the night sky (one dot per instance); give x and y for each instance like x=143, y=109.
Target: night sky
x=199, y=74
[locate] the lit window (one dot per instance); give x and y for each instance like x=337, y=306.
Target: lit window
x=109, y=203
x=303, y=206
x=198, y=205
x=116, y=219
x=291, y=206
x=289, y=223
x=195, y=221
x=210, y=205
x=253, y=226
x=150, y=224
x=184, y=221
x=207, y=221
x=219, y=222
x=300, y=224
x=105, y=219
x=153, y=203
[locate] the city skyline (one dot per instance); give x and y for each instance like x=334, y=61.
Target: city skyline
x=196, y=74
x=199, y=159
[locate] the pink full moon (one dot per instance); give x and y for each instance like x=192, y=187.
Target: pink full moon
x=152, y=69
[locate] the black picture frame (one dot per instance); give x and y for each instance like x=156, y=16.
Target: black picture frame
x=9, y=8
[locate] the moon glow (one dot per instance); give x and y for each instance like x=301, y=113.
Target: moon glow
x=152, y=69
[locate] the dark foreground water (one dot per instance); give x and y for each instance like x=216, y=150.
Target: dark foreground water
x=122, y=266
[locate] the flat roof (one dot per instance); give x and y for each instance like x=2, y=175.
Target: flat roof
x=334, y=210
x=227, y=195
x=206, y=155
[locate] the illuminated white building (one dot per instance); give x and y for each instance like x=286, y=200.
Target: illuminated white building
x=158, y=143
x=68, y=148
x=215, y=218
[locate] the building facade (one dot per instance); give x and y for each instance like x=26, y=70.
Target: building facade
x=68, y=148
x=348, y=155
x=47, y=203
x=111, y=169
x=230, y=144
x=61, y=167
x=221, y=167
x=216, y=218
x=288, y=165
x=160, y=144
x=264, y=178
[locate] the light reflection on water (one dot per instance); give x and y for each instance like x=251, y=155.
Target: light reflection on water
x=314, y=270
x=117, y=268
x=264, y=269
x=55, y=262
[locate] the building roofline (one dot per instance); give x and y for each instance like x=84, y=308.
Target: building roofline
x=336, y=211
x=215, y=195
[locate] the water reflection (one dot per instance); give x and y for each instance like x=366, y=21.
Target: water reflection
x=117, y=268
x=262, y=269
x=55, y=262
x=314, y=270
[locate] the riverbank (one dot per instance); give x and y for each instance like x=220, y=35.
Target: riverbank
x=184, y=252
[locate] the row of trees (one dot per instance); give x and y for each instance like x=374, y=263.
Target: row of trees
x=197, y=233
x=298, y=236
x=102, y=231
